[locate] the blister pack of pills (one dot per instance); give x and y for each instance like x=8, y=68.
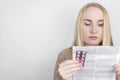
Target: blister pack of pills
x=80, y=56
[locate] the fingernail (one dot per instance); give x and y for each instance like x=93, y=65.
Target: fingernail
x=80, y=65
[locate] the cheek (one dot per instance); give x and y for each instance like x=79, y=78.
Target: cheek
x=85, y=33
x=84, y=30
x=101, y=32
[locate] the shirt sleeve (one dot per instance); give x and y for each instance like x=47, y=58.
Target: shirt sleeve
x=60, y=59
x=63, y=55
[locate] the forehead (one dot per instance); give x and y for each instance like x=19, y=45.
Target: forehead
x=93, y=13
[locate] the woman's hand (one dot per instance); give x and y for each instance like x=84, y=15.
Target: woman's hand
x=117, y=70
x=68, y=68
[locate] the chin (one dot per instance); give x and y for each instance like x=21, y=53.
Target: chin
x=93, y=43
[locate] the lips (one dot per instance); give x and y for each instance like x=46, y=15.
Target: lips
x=93, y=37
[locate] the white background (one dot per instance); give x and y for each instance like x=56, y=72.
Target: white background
x=33, y=32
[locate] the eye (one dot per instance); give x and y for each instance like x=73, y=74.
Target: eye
x=101, y=23
x=87, y=23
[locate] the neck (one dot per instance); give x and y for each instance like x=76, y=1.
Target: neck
x=91, y=45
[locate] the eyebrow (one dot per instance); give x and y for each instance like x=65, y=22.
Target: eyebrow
x=91, y=20
x=87, y=20
x=101, y=20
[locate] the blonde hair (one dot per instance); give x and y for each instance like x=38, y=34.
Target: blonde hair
x=107, y=39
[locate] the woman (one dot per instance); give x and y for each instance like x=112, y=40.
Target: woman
x=92, y=29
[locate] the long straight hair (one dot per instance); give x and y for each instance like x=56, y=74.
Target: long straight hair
x=107, y=38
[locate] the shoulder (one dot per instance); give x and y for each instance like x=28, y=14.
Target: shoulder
x=65, y=51
x=65, y=54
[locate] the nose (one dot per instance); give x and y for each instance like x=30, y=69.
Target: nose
x=94, y=29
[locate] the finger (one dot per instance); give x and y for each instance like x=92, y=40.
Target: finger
x=68, y=71
x=68, y=75
x=68, y=62
x=117, y=70
x=117, y=65
x=71, y=66
x=118, y=73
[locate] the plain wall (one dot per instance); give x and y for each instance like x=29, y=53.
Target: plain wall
x=33, y=32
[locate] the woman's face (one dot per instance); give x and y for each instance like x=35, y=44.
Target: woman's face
x=92, y=29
